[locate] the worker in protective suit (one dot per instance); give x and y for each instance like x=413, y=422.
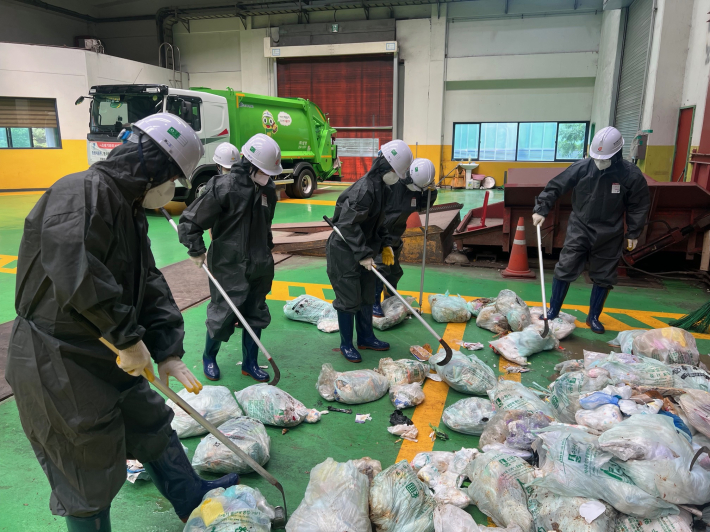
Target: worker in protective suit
x=85, y=270
x=238, y=207
x=360, y=216
x=407, y=195
x=225, y=156
x=607, y=189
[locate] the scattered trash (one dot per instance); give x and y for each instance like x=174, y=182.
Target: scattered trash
x=517, y=346
x=449, y=309
x=336, y=499
x=511, y=395
x=465, y=373
x=136, y=471
x=284, y=431
x=313, y=416
x=601, y=418
x=408, y=432
x=271, y=405
x=361, y=418
x=368, y=467
x=406, y=395
x=310, y=309
x=342, y=410
x=516, y=369
x=235, y=508
x=215, y=403
x=438, y=433
x=434, y=376
x=555, y=512
x=404, y=371
x=669, y=344
x=398, y=418
x=395, y=313
x=471, y=346
x=351, y=387
x=421, y=353
x=212, y=456
x=468, y=416
x=475, y=306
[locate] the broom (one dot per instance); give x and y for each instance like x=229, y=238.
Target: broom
x=698, y=321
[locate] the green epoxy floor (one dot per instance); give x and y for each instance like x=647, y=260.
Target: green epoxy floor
x=300, y=350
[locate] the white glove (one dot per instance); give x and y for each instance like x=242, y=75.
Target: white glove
x=631, y=244
x=174, y=367
x=199, y=260
x=367, y=263
x=538, y=219
x=133, y=360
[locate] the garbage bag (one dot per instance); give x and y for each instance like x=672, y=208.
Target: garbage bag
x=511, y=395
x=592, y=356
x=569, y=366
x=306, y=308
x=476, y=305
x=395, y=313
x=573, y=465
x=271, y=405
x=468, y=416
x=449, y=518
x=235, y=508
x=215, y=403
x=368, y=467
x=449, y=466
x=553, y=512
x=521, y=425
x=403, y=371
x=400, y=502
x=351, y=387
x=636, y=370
x=406, y=395
x=336, y=500
x=561, y=327
x=328, y=321
x=449, y=309
x=517, y=346
x=569, y=387
x=696, y=405
x=489, y=318
x=625, y=340
x=498, y=488
x=496, y=430
x=601, y=418
x=212, y=456
x=672, y=523
x=669, y=344
x=687, y=376
x=464, y=373
x=514, y=309
x=656, y=455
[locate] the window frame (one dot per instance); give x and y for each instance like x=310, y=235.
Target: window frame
x=32, y=146
x=517, y=140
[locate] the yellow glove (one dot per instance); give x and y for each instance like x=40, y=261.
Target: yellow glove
x=387, y=256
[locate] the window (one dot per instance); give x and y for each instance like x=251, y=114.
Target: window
x=187, y=108
x=109, y=112
x=520, y=141
x=28, y=123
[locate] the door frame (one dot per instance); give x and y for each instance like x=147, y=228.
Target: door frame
x=690, y=140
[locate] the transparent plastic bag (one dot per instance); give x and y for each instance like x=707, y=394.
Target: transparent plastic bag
x=511, y=395
x=400, y=502
x=212, y=456
x=496, y=430
x=328, y=321
x=476, y=305
x=601, y=418
x=464, y=373
x=671, y=523
x=561, y=327
x=306, y=308
x=271, y=405
x=406, y=395
x=368, y=467
x=403, y=371
x=351, y=387
x=553, y=512
x=696, y=405
x=508, y=300
x=625, y=340
x=521, y=425
x=449, y=309
x=235, y=508
x=395, y=313
x=336, y=500
x=468, y=416
x=214, y=403
x=686, y=376
x=569, y=366
x=489, y=318
x=498, y=488
x=517, y=346
x=568, y=388
x=669, y=344
x=635, y=370
x=449, y=518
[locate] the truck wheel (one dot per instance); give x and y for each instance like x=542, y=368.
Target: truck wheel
x=198, y=184
x=304, y=184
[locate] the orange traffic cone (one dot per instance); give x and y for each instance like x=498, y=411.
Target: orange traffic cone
x=414, y=221
x=518, y=264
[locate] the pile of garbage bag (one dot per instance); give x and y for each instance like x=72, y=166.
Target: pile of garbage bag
x=489, y=318
x=235, y=508
x=561, y=327
x=449, y=309
x=214, y=403
x=512, y=395
x=516, y=312
x=310, y=309
x=406, y=395
x=351, y=387
x=670, y=345
x=634, y=369
x=395, y=313
x=464, y=373
x=273, y=406
x=212, y=456
x=468, y=416
x=517, y=346
x=566, y=390
x=404, y=371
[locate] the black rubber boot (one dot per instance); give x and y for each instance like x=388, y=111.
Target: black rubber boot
x=596, y=306
x=209, y=358
x=377, y=307
x=345, y=324
x=178, y=482
x=250, y=354
x=100, y=522
x=559, y=292
x=365, y=335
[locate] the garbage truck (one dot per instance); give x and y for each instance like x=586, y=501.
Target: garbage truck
x=302, y=130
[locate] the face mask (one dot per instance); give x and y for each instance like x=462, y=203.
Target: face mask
x=224, y=170
x=390, y=178
x=602, y=164
x=260, y=178
x=159, y=196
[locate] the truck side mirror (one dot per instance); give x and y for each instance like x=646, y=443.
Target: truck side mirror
x=186, y=111
x=79, y=100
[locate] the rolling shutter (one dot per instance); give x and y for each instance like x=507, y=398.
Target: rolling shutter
x=28, y=112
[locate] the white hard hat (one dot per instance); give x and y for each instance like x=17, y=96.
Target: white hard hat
x=398, y=154
x=606, y=143
x=226, y=155
x=422, y=172
x=263, y=152
x=177, y=139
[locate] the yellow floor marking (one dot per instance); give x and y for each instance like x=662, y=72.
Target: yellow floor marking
x=433, y=406
x=26, y=193
x=308, y=202
x=4, y=261
x=504, y=363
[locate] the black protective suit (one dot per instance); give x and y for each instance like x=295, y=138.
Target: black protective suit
x=601, y=201
x=85, y=270
x=360, y=216
x=401, y=203
x=239, y=212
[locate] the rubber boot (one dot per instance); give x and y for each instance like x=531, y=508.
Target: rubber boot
x=596, y=306
x=250, y=353
x=209, y=358
x=559, y=292
x=365, y=335
x=178, y=482
x=377, y=311
x=345, y=324
x=100, y=522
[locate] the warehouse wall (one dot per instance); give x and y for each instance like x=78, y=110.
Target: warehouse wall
x=137, y=40
x=608, y=62
x=20, y=23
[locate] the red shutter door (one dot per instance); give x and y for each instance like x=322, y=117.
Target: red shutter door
x=355, y=92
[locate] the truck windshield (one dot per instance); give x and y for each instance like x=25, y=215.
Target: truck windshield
x=110, y=112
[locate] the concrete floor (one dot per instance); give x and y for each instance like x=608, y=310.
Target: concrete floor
x=300, y=349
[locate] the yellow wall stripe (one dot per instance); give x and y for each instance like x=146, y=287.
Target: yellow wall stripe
x=307, y=202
